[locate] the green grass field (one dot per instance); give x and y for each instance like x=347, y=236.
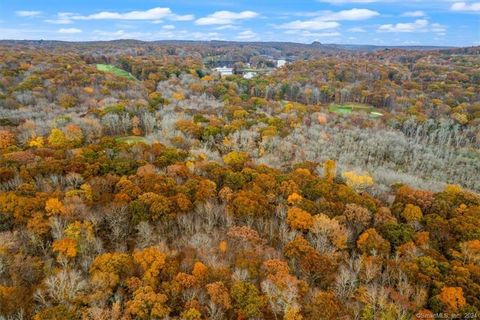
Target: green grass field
x=116, y=71
x=354, y=107
x=132, y=139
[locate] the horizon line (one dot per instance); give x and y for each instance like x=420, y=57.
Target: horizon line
x=258, y=41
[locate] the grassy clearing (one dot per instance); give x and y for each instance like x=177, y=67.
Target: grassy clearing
x=132, y=139
x=116, y=71
x=354, y=107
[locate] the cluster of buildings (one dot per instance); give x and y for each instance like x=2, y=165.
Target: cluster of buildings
x=248, y=72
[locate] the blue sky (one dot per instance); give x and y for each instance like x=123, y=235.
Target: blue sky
x=381, y=22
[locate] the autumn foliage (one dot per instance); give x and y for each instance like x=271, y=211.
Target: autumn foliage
x=186, y=195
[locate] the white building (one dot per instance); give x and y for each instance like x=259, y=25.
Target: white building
x=224, y=71
x=249, y=75
x=281, y=63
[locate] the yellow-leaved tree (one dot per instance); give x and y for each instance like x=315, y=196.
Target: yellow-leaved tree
x=150, y=261
x=57, y=138
x=357, y=181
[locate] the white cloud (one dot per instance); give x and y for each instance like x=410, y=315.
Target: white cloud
x=26, y=13
x=329, y=20
x=227, y=27
x=69, y=30
x=350, y=15
x=414, y=14
x=157, y=35
x=463, y=6
x=25, y=33
x=187, y=17
x=309, y=34
x=121, y=34
x=62, y=18
x=151, y=14
x=419, y=25
x=438, y=28
x=309, y=25
x=225, y=17
x=246, y=35
x=168, y=27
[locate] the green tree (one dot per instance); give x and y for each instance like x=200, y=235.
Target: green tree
x=247, y=298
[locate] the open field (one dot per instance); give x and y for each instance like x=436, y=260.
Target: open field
x=131, y=139
x=116, y=71
x=354, y=107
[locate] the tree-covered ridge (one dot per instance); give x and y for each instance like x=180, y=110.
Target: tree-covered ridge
x=185, y=195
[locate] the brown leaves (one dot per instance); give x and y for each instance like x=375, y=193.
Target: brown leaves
x=150, y=261
x=299, y=219
x=7, y=138
x=109, y=268
x=53, y=206
x=147, y=304
x=159, y=205
x=66, y=247
x=452, y=297
x=206, y=190
x=247, y=203
x=319, y=267
x=371, y=242
x=219, y=294
x=245, y=234
x=12, y=298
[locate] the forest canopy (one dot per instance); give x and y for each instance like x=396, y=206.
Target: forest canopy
x=136, y=182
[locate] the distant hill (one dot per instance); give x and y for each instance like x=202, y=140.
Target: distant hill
x=465, y=50
x=217, y=43
x=362, y=47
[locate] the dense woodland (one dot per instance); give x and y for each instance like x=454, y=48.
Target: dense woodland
x=181, y=194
